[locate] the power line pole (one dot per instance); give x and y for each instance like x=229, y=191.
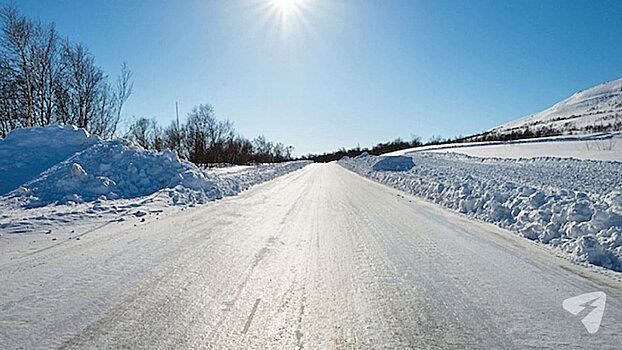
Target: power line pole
x=177, y=113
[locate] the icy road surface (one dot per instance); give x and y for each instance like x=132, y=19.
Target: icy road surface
x=319, y=258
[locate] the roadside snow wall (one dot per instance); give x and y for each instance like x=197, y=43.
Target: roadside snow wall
x=107, y=170
x=570, y=204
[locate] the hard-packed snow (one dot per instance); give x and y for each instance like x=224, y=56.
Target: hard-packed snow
x=567, y=203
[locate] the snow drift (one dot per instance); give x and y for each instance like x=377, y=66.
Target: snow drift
x=570, y=204
x=92, y=169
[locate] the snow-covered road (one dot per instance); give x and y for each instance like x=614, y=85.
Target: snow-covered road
x=318, y=258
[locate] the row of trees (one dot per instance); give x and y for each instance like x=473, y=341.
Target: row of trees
x=204, y=139
x=382, y=148
x=516, y=134
x=46, y=79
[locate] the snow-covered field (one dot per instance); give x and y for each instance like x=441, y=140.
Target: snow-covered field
x=55, y=175
x=601, y=146
x=574, y=205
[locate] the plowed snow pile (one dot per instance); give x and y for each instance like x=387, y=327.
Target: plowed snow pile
x=109, y=170
x=570, y=204
x=25, y=153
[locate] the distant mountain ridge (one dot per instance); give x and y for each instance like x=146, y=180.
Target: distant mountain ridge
x=595, y=109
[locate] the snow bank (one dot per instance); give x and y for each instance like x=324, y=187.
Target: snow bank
x=27, y=152
x=570, y=204
x=228, y=183
x=112, y=170
x=116, y=169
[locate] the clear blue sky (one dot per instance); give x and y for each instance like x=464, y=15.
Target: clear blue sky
x=337, y=73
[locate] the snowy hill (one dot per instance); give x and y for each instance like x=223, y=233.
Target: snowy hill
x=596, y=109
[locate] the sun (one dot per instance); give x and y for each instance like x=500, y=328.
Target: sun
x=285, y=20
x=288, y=15
x=286, y=5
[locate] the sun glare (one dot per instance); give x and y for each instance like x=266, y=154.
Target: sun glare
x=287, y=14
x=286, y=5
x=283, y=19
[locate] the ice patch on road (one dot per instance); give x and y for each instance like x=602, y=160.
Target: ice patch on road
x=570, y=204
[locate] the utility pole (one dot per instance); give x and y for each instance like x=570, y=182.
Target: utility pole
x=177, y=113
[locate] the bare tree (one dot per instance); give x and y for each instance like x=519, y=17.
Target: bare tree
x=16, y=39
x=83, y=96
x=264, y=150
x=43, y=51
x=173, y=139
x=124, y=89
x=10, y=103
x=146, y=133
x=197, y=128
x=44, y=80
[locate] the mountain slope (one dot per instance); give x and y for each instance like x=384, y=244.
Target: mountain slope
x=592, y=110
